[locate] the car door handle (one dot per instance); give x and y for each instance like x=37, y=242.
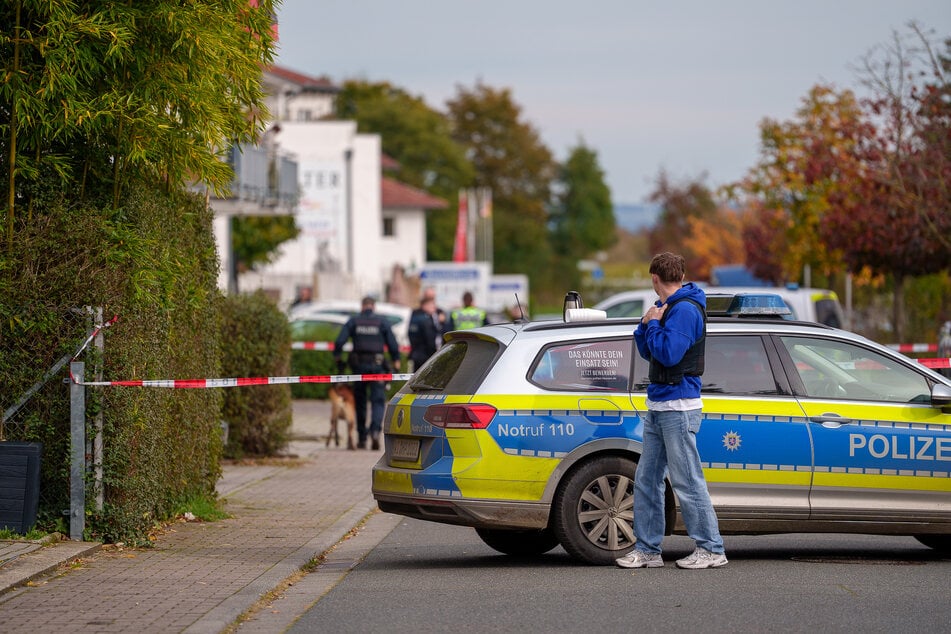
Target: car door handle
x=830, y=420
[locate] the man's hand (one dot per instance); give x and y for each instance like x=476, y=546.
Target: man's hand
x=341, y=366
x=396, y=365
x=653, y=313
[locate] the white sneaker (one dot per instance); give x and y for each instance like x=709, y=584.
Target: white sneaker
x=702, y=558
x=638, y=559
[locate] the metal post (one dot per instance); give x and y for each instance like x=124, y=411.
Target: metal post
x=97, y=456
x=351, y=221
x=77, y=462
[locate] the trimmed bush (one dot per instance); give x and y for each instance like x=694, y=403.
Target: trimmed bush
x=153, y=263
x=255, y=341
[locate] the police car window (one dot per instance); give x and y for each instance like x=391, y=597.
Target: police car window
x=590, y=366
x=458, y=367
x=630, y=308
x=836, y=369
x=736, y=365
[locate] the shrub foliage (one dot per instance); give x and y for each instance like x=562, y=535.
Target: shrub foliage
x=255, y=341
x=152, y=263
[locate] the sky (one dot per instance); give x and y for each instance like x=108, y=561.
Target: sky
x=680, y=86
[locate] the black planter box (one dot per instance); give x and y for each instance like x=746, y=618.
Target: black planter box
x=19, y=484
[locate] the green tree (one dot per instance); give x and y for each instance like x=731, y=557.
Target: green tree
x=420, y=140
x=582, y=220
x=96, y=93
x=256, y=239
x=509, y=158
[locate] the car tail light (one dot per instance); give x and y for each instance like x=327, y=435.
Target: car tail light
x=460, y=416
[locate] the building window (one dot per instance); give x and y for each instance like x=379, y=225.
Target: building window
x=389, y=226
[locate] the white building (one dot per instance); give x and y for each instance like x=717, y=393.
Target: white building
x=357, y=226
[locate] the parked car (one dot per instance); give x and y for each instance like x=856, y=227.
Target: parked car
x=807, y=304
x=317, y=326
x=396, y=314
x=531, y=433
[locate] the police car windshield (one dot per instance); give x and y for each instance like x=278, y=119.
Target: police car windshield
x=458, y=367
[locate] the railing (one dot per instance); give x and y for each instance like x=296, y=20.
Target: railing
x=263, y=178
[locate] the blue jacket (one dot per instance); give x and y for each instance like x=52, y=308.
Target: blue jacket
x=682, y=328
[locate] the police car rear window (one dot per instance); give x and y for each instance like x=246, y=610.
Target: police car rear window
x=457, y=368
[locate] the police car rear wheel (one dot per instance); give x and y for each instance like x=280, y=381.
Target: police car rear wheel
x=518, y=543
x=941, y=543
x=594, y=510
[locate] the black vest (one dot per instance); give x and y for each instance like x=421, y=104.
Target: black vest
x=693, y=360
x=368, y=334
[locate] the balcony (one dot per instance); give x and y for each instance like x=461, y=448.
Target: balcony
x=265, y=183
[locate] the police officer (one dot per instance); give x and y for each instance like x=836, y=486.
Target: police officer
x=372, y=336
x=468, y=316
x=424, y=332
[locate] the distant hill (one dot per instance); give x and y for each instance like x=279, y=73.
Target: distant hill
x=633, y=218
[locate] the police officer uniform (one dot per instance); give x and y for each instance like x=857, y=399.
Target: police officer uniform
x=424, y=334
x=468, y=316
x=372, y=337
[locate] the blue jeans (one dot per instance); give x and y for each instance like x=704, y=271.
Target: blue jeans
x=670, y=445
x=377, y=392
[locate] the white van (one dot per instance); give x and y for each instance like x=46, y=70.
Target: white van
x=807, y=304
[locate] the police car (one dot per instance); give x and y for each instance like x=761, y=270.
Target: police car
x=531, y=433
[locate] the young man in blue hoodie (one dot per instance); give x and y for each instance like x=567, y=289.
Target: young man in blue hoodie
x=671, y=337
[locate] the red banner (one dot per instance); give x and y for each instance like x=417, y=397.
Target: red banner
x=460, y=250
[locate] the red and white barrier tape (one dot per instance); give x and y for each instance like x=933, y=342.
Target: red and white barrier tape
x=242, y=382
x=326, y=346
x=95, y=331
x=913, y=347
x=335, y=378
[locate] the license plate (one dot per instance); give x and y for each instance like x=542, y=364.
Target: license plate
x=405, y=449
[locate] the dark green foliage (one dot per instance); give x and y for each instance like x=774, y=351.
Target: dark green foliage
x=582, y=219
x=255, y=342
x=509, y=157
x=94, y=95
x=256, y=238
x=312, y=362
x=153, y=264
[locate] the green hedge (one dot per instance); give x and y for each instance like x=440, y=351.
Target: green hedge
x=256, y=341
x=153, y=263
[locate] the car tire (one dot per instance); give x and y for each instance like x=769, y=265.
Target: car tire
x=941, y=543
x=518, y=543
x=593, y=511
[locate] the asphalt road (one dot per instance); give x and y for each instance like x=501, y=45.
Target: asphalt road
x=426, y=577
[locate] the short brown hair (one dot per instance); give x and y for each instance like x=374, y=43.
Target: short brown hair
x=669, y=267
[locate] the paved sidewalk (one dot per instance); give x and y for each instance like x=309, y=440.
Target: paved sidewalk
x=201, y=577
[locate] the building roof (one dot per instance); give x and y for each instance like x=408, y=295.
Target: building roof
x=306, y=82
x=396, y=195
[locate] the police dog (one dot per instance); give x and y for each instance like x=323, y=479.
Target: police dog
x=342, y=408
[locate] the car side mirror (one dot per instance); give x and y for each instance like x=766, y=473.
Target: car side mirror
x=941, y=396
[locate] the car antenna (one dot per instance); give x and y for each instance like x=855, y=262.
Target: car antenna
x=521, y=312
